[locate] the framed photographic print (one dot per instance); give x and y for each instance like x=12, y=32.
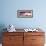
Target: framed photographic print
x=24, y=13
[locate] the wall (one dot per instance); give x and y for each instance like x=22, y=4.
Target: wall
x=9, y=13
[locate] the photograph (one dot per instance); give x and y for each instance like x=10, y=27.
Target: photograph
x=24, y=13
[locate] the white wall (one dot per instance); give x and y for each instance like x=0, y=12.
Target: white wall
x=9, y=13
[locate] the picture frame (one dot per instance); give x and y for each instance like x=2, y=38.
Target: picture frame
x=24, y=13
